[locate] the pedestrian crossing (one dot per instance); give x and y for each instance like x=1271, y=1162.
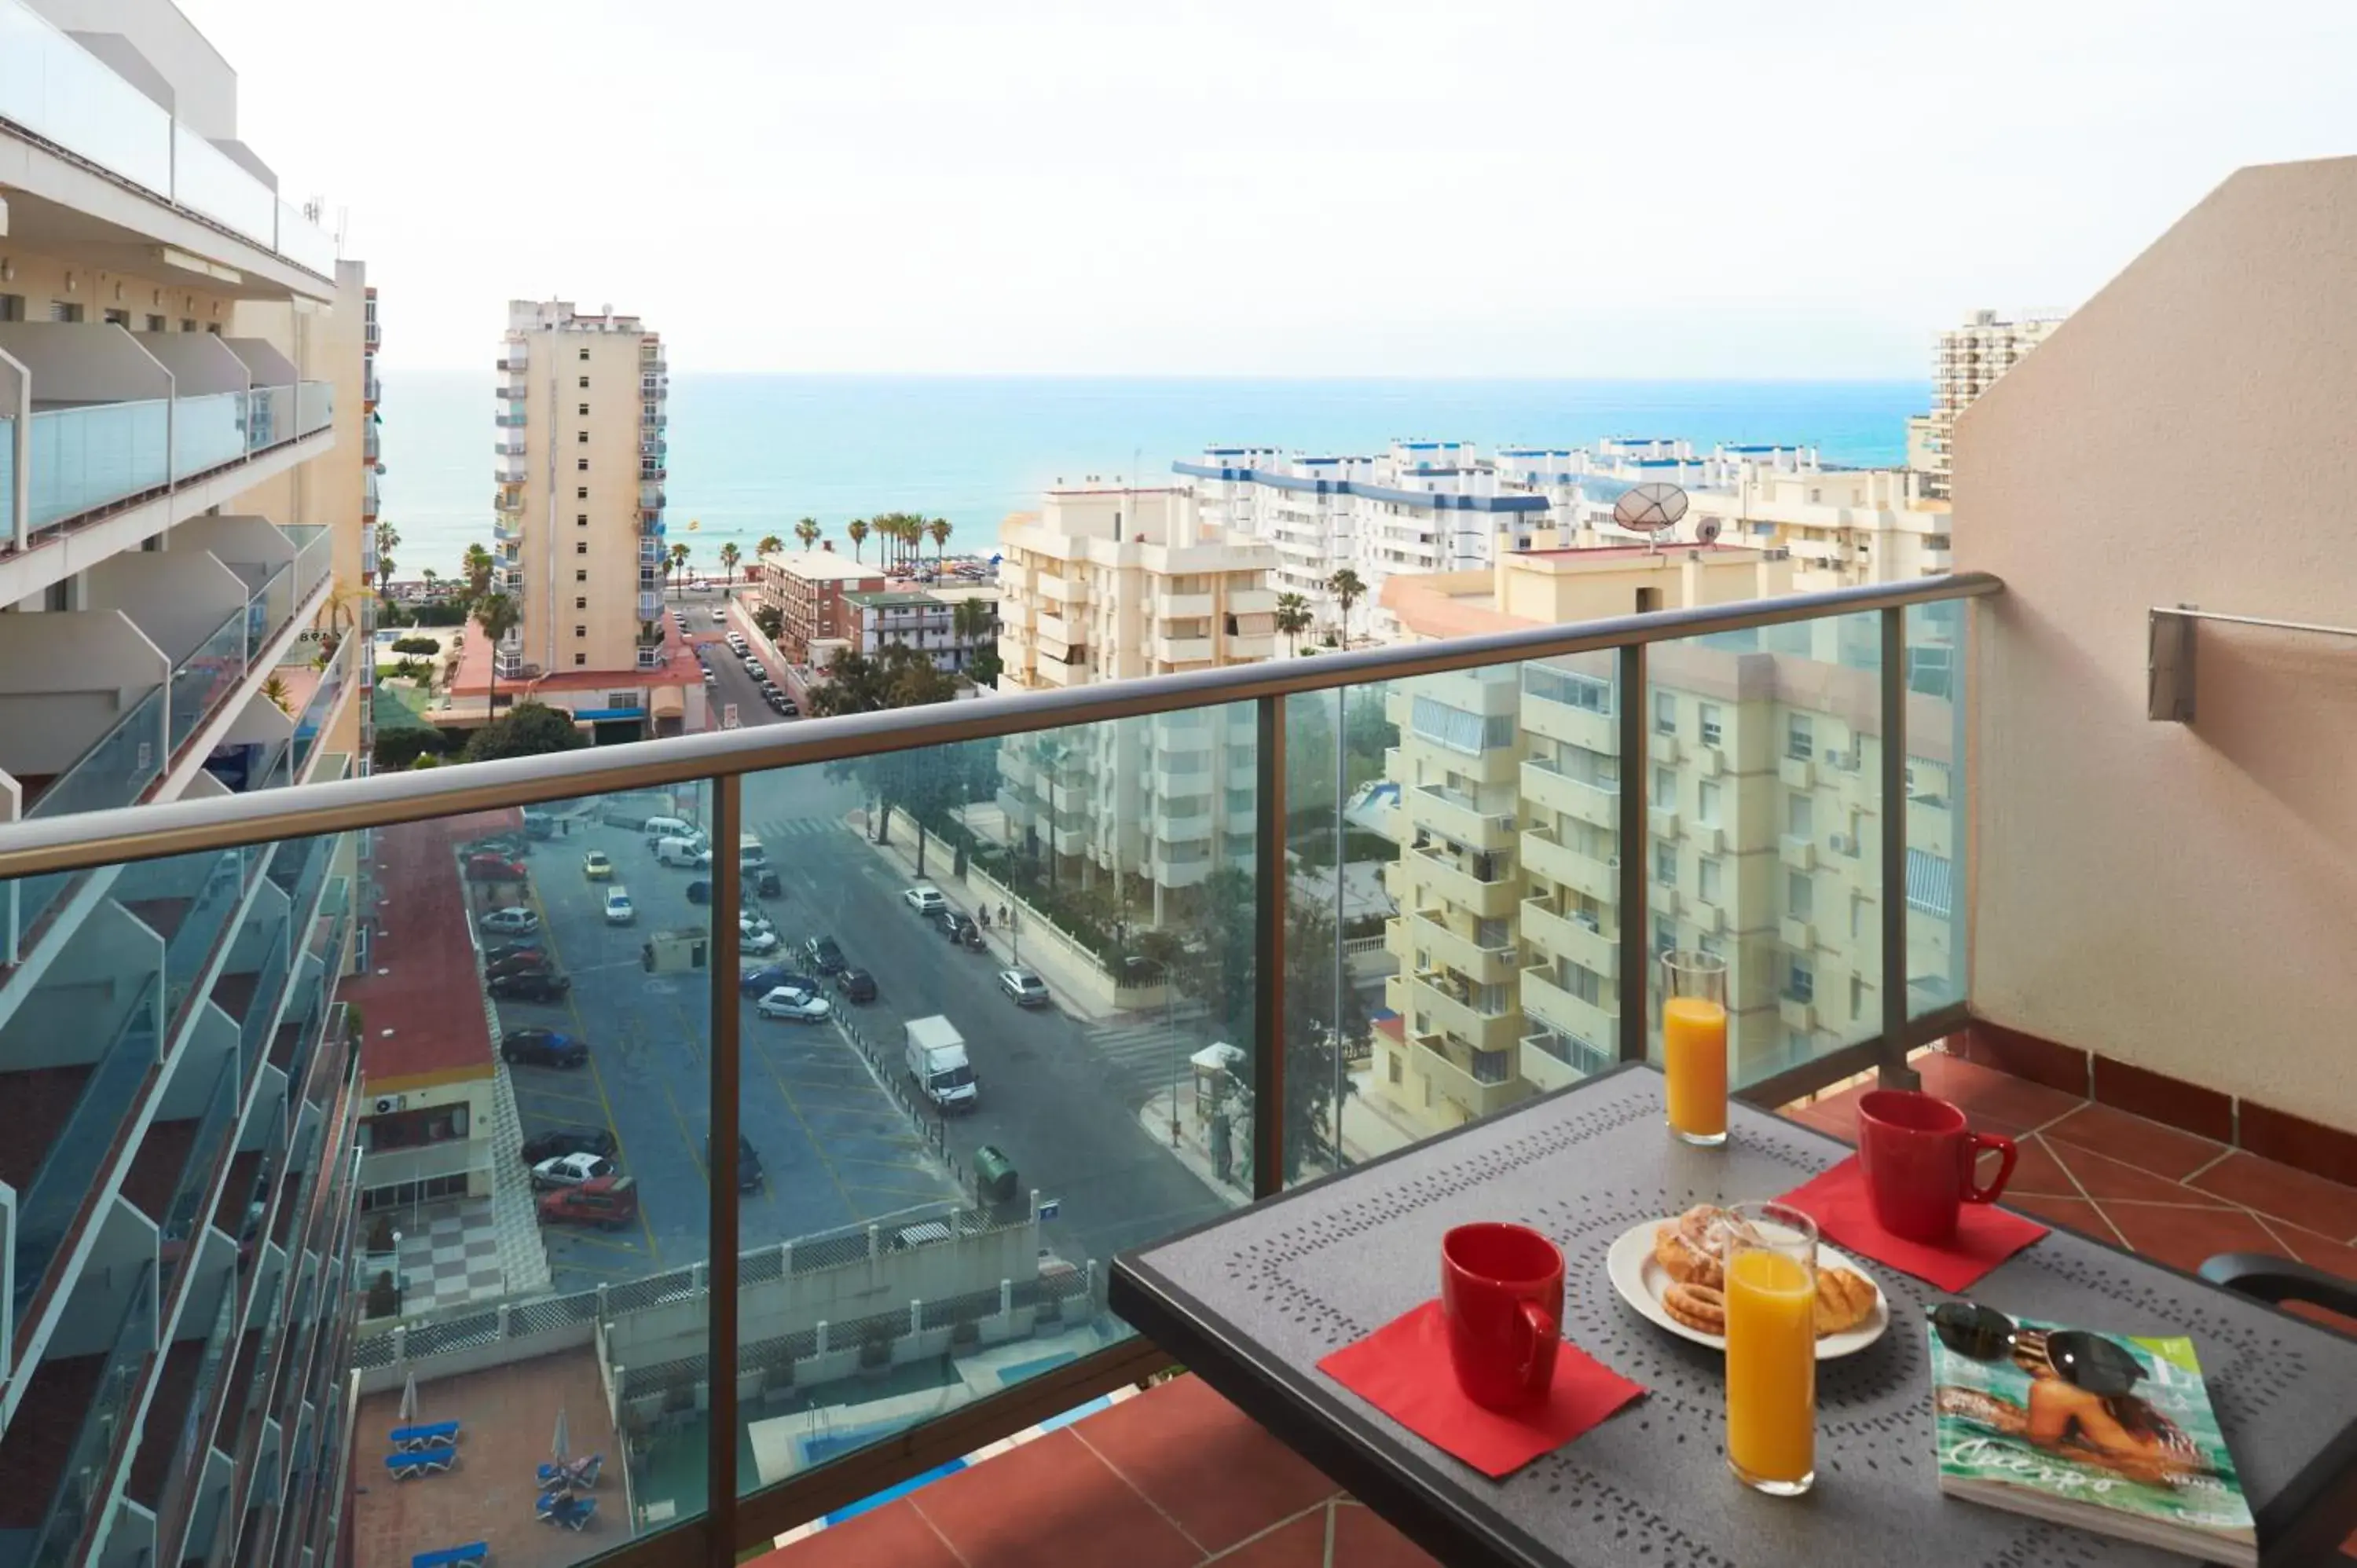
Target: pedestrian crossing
x=775, y=830
x=1140, y=1055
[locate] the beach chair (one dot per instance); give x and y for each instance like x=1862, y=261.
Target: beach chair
x=573, y=1513
x=420, y=1462
x=471, y=1555
x=438, y=1435
x=573, y=1472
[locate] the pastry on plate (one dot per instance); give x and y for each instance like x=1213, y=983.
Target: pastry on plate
x=1692, y=1248
x=1702, y=1308
x=1843, y=1300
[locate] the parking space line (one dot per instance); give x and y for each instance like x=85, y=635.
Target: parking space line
x=810, y=1138
x=605, y=1100
x=624, y=1247
x=535, y=1095
x=886, y=1166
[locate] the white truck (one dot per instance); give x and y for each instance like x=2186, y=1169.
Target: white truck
x=937, y=1061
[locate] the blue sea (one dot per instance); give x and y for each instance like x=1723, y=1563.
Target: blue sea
x=751, y=453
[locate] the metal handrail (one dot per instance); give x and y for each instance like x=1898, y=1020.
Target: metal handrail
x=88, y=839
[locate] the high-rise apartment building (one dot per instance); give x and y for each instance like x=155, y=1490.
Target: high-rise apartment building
x=578, y=540
x=184, y=382
x=1104, y=584
x=1967, y=363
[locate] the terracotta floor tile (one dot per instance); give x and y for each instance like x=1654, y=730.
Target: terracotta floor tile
x=2332, y=1257
x=2036, y=1171
x=2076, y=1212
x=2164, y=1150
x=2280, y=1192
x=1361, y=1540
x=1203, y=1462
x=894, y=1533
x=2187, y=1238
x=1300, y=1544
x=1996, y=1101
x=2105, y=1178
x=1055, y=1496
x=1834, y=1114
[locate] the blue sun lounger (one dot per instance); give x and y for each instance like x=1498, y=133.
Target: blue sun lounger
x=473, y=1553
x=573, y=1472
x=438, y=1435
x=420, y=1462
x=563, y=1508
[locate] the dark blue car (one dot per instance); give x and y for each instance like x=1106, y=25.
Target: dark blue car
x=761, y=982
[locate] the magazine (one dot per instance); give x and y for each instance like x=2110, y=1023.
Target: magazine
x=2150, y=1467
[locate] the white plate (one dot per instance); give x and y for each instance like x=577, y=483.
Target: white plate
x=1641, y=1282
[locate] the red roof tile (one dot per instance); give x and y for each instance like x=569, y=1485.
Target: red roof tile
x=422, y=985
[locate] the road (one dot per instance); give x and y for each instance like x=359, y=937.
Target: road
x=736, y=686
x=1061, y=1101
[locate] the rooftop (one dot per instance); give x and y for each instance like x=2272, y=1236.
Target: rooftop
x=821, y=566
x=419, y=1028
x=473, y=675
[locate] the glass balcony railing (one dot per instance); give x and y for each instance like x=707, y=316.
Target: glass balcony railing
x=261, y=1006
x=1257, y=830
x=84, y=1142
x=188, y=951
x=118, y=771
x=202, y=681
x=207, y=432
x=104, y=1427
x=185, y=1211
x=310, y=723
x=92, y=456
x=315, y=406
x=271, y=607
x=270, y=417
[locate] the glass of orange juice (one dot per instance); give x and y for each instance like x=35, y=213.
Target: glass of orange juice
x=1694, y=1044
x=1771, y=1348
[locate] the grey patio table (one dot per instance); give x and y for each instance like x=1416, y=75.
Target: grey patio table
x=1251, y=1302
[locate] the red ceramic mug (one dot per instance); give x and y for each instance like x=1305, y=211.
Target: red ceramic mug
x=1919, y=1152
x=1501, y=1298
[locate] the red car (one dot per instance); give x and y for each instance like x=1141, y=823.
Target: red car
x=494, y=868
x=608, y=1202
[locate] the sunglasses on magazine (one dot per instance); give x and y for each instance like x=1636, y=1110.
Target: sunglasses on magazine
x=2084, y=1360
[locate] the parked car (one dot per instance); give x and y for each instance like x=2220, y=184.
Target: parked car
x=509, y=950
x=757, y=940
x=794, y=1006
x=753, y=668
x=749, y=1163
x=781, y=704
x=536, y=986
x=529, y=961
x=513, y=920
x=925, y=899
x=737, y=640
x=597, y=867
x=959, y=928
x=857, y=986
x=769, y=977
x=495, y=868
x=824, y=954
x=571, y=1170
x=560, y=1140
x=765, y=884
x=508, y=846
x=711, y=677
x=542, y=1048
x=1027, y=988
x=618, y=910
x=608, y=1202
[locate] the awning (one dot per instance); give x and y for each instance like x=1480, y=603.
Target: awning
x=1928, y=881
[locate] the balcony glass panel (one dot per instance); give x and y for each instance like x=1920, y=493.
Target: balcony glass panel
x=55, y=89
x=84, y=1143
x=86, y=457
x=314, y=553
x=84, y=1485
x=315, y=406
x=207, y=676
x=262, y=1007
x=1798, y=711
x=1935, y=805
x=269, y=416
x=270, y=607
x=322, y=703
x=184, y=1214
x=210, y=181
x=7, y=478
x=305, y=244
x=117, y=771
x=220, y=880
x=207, y=432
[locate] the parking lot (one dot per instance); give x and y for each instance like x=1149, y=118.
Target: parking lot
x=836, y=1148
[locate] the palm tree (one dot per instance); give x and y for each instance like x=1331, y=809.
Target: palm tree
x=478, y=570
x=807, y=531
x=388, y=540
x=1293, y=619
x=498, y=615
x=912, y=532
x=940, y=531
x=970, y=621
x=431, y=575
x=857, y=529
x=771, y=545
x=1348, y=589
x=678, y=559
x=729, y=556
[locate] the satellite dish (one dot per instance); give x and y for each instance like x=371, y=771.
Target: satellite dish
x=1706, y=531
x=1650, y=509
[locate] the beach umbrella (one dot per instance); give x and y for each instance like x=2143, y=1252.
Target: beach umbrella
x=559, y=1443
x=409, y=1399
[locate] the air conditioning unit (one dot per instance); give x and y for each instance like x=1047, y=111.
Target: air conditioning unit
x=386, y=1104
x=1844, y=844
x=1844, y=761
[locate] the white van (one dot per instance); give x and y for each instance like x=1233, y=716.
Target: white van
x=681, y=852
x=659, y=828
x=618, y=911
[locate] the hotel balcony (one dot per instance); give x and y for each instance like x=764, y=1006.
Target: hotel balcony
x=2142, y=930
x=1181, y=649
x=1428, y=932
x=1556, y=792
x=1543, y=855
x=510, y=471
x=514, y=359
x=1581, y=939
x=1458, y=818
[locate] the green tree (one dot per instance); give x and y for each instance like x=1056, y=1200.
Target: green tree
x=898, y=676
x=431, y=576
x=729, y=556
x=771, y=545
x=857, y=529
x=1348, y=589
x=1292, y=619
x=498, y=615
x=771, y=620
x=971, y=622
x=807, y=531
x=388, y=540
x=478, y=571
x=529, y=729
x=938, y=531
x=678, y=559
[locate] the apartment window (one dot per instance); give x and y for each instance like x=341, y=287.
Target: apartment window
x=581, y=547
x=584, y=356
x=1857, y=920
x=1801, y=982
x=1491, y=934
x=1586, y=838
x=581, y=492
x=1857, y=996
x=64, y=310
x=585, y=411
x=1665, y=935
x=1665, y=714
x=582, y=464
x=188, y=323
x=213, y=327
x=1800, y=738
x=1590, y=767
x=1569, y=687
x=581, y=438
x=580, y=520
x=1581, y=981
x=581, y=575
x=12, y=307
x=118, y=318
x=156, y=323
x=1460, y=729
x=580, y=631
x=1706, y=801
x=1800, y=816
x=584, y=383
x=1800, y=895
x=1665, y=787
x=1665, y=863
x=580, y=660
x=1714, y=881
x=581, y=603
x=1391, y=1063
x=1711, y=735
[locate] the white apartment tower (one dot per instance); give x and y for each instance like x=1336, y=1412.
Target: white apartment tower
x=1970, y=360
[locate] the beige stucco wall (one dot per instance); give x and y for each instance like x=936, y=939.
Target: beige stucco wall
x=2183, y=898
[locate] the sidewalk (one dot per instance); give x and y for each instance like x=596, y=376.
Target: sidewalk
x=1367, y=1133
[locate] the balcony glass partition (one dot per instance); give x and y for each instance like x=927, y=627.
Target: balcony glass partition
x=210, y=181
x=304, y=242
x=105, y=1425
x=117, y=771
x=207, y=432
x=84, y=1142
x=315, y=406
x=314, y=555
x=206, y=677
x=91, y=457
x=1935, y=806
x=270, y=417
x=59, y=91
x=269, y=987
x=270, y=608
x=8, y=479
x=185, y=1213
x=220, y=879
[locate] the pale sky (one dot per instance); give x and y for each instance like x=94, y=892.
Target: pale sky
x=1711, y=188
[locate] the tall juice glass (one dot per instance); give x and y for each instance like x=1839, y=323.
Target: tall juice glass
x=1694, y=1044
x=1771, y=1348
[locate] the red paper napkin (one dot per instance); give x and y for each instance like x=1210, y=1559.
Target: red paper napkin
x=1402, y=1369
x=1985, y=1234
